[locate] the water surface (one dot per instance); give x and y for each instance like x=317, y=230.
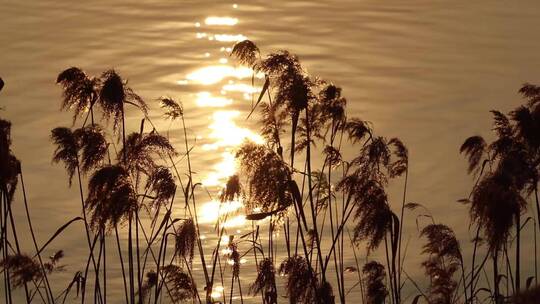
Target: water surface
x=424, y=71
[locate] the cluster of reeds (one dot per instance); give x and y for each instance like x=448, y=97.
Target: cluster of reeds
x=131, y=182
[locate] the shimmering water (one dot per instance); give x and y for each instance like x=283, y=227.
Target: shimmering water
x=424, y=71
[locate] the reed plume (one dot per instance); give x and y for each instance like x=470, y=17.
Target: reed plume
x=140, y=150
x=246, y=52
x=23, y=269
x=149, y=283
x=182, y=288
x=232, y=189
x=80, y=91
x=93, y=147
x=67, y=150
x=265, y=282
x=162, y=185
x=301, y=280
x=111, y=197
x=173, y=109
x=267, y=178
x=9, y=164
x=113, y=94
x=443, y=261
x=376, y=291
x=185, y=240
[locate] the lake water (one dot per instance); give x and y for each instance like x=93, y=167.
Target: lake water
x=425, y=71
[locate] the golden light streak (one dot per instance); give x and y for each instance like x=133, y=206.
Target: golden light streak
x=226, y=21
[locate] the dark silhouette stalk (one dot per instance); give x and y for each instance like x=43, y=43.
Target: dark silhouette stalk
x=33, y=234
x=401, y=220
x=104, y=266
x=121, y=263
x=86, y=227
x=139, y=275
x=537, y=226
x=310, y=192
x=130, y=232
x=390, y=279
x=3, y=218
x=496, y=293
x=199, y=243
x=518, y=242
x=16, y=238
x=473, y=274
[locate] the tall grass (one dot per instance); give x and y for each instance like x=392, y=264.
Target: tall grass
x=136, y=183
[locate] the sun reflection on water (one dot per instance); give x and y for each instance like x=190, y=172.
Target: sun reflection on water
x=227, y=21
x=227, y=37
x=206, y=99
x=215, y=73
x=227, y=133
x=227, y=88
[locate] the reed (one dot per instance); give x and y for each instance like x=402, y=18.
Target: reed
x=317, y=209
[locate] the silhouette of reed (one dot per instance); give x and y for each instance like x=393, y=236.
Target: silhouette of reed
x=147, y=189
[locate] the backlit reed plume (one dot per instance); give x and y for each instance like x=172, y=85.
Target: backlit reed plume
x=23, y=269
x=498, y=198
x=267, y=178
x=301, y=280
x=358, y=130
x=293, y=87
x=88, y=141
x=272, y=123
x=474, y=148
x=182, y=288
x=246, y=52
x=80, y=91
x=232, y=190
x=443, y=261
x=67, y=150
x=149, y=283
x=161, y=185
x=114, y=94
x=141, y=150
x=373, y=215
x=111, y=197
x=185, y=240
x=173, y=109
x=234, y=257
x=400, y=158
x=376, y=291
x=9, y=164
x=494, y=203
x=326, y=115
x=321, y=191
x=332, y=105
x=332, y=155
x=93, y=147
x=265, y=282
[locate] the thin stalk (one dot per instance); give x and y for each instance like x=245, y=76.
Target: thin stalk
x=310, y=191
x=121, y=263
x=103, y=241
x=33, y=234
x=86, y=226
x=16, y=238
x=195, y=218
x=401, y=220
x=518, y=241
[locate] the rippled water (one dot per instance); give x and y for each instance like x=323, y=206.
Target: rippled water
x=425, y=71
